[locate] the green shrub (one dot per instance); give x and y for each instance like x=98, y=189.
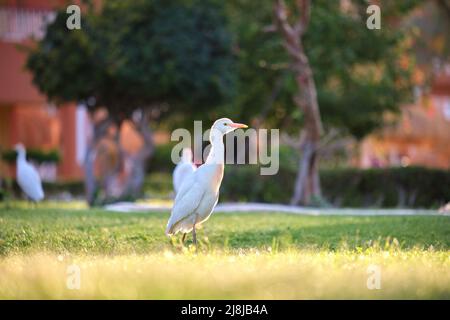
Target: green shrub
x=391, y=187
x=39, y=156
x=244, y=183
x=158, y=184
x=161, y=160
x=413, y=187
x=75, y=188
x=345, y=187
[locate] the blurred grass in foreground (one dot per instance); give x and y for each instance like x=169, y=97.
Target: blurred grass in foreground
x=241, y=255
x=250, y=274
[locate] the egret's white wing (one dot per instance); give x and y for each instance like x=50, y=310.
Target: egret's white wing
x=181, y=173
x=30, y=182
x=186, y=202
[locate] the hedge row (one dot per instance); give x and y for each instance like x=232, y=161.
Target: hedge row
x=414, y=187
x=39, y=156
x=51, y=189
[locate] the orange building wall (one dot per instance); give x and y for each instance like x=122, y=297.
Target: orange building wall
x=35, y=126
x=25, y=114
x=420, y=137
x=68, y=168
x=34, y=4
x=15, y=82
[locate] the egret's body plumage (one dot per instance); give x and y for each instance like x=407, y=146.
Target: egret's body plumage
x=27, y=176
x=183, y=169
x=196, y=200
x=199, y=193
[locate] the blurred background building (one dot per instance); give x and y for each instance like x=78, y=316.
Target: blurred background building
x=420, y=137
x=26, y=115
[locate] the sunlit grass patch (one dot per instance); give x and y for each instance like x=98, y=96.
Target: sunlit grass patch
x=47, y=204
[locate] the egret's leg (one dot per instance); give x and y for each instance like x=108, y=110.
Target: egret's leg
x=194, y=236
x=184, y=237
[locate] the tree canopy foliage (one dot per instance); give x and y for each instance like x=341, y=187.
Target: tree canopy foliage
x=135, y=53
x=359, y=73
x=138, y=59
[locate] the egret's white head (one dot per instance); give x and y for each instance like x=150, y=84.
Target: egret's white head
x=20, y=149
x=225, y=125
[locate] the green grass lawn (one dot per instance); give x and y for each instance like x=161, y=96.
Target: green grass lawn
x=242, y=255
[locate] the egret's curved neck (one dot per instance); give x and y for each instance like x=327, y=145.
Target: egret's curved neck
x=217, y=151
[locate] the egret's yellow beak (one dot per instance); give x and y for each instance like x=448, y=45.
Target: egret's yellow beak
x=238, y=125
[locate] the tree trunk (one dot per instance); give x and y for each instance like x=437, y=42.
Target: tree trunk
x=135, y=180
x=111, y=182
x=307, y=184
x=90, y=183
x=113, y=185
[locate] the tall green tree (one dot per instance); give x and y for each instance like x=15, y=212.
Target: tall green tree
x=357, y=73
x=137, y=59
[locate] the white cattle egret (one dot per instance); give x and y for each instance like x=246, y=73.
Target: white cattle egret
x=27, y=176
x=183, y=169
x=199, y=193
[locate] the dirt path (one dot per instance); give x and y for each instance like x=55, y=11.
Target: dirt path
x=266, y=207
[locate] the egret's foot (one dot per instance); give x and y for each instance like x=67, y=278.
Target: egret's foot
x=194, y=238
x=184, y=238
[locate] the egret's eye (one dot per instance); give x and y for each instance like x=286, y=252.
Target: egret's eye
x=225, y=124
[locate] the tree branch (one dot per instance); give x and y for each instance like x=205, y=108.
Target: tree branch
x=282, y=21
x=304, y=8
